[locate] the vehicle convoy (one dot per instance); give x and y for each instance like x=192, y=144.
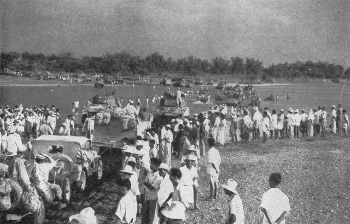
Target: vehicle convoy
x=238, y=96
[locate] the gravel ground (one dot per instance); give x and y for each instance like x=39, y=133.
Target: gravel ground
x=315, y=178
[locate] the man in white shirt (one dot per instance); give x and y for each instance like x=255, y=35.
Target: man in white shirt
x=166, y=186
x=152, y=185
x=235, y=214
x=215, y=129
x=290, y=123
x=51, y=120
x=127, y=208
x=257, y=119
x=214, y=160
x=323, y=121
x=162, y=142
x=334, y=120
x=13, y=141
x=297, y=119
x=168, y=138
x=190, y=179
x=274, y=203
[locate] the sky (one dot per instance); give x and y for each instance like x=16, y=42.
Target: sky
x=272, y=31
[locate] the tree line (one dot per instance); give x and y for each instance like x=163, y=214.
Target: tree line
x=126, y=63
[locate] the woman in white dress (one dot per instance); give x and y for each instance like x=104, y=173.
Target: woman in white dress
x=221, y=133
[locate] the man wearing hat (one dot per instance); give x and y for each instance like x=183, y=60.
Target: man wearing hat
x=86, y=216
x=152, y=186
x=257, y=119
x=168, y=138
x=280, y=124
x=13, y=141
x=303, y=123
x=176, y=211
x=317, y=114
x=127, y=206
x=310, y=123
x=323, y=121
x=297, y=119
x=41, y=177
x=235, y=212
x=290, y=123
x=334, y=119
x=166, y=187
x=190, y=179
x=274, y=203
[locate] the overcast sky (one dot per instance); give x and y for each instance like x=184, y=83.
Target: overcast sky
x=272, y=31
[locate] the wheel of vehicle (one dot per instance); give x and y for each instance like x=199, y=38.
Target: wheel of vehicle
x=82, y=182
x=66, y=191
x=99, y=172
x=39, y=216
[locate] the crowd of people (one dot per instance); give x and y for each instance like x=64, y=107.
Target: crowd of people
x=150, y=186
x=246, y=125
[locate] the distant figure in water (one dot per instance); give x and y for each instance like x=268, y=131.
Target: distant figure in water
x=154, y=87
x=51, y=90
x=288, y=96
x=133, y=85
x=147, y=100
x=121, y=101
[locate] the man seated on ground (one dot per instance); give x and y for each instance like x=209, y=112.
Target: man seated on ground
x=41, y=178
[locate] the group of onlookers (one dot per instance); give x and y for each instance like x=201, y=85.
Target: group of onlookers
x=293, y=124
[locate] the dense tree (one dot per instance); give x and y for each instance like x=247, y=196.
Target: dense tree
x=126, y=63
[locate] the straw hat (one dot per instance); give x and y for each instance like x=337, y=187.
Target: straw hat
x=139, y=143
x=175, y=211
x=132, y=159
x=290, y=110
x=164, y=166
x=168, y=126
x=127, y=169
x=231, y=185
x=86, y=216
x=128, y=149
x=191, y=148
x=40, y=156
x=11, y=154
x=191, y=157
x=296, y=111
x=333, y=106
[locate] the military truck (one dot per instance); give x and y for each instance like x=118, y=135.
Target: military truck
x=111, y=126
x=168, y=110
